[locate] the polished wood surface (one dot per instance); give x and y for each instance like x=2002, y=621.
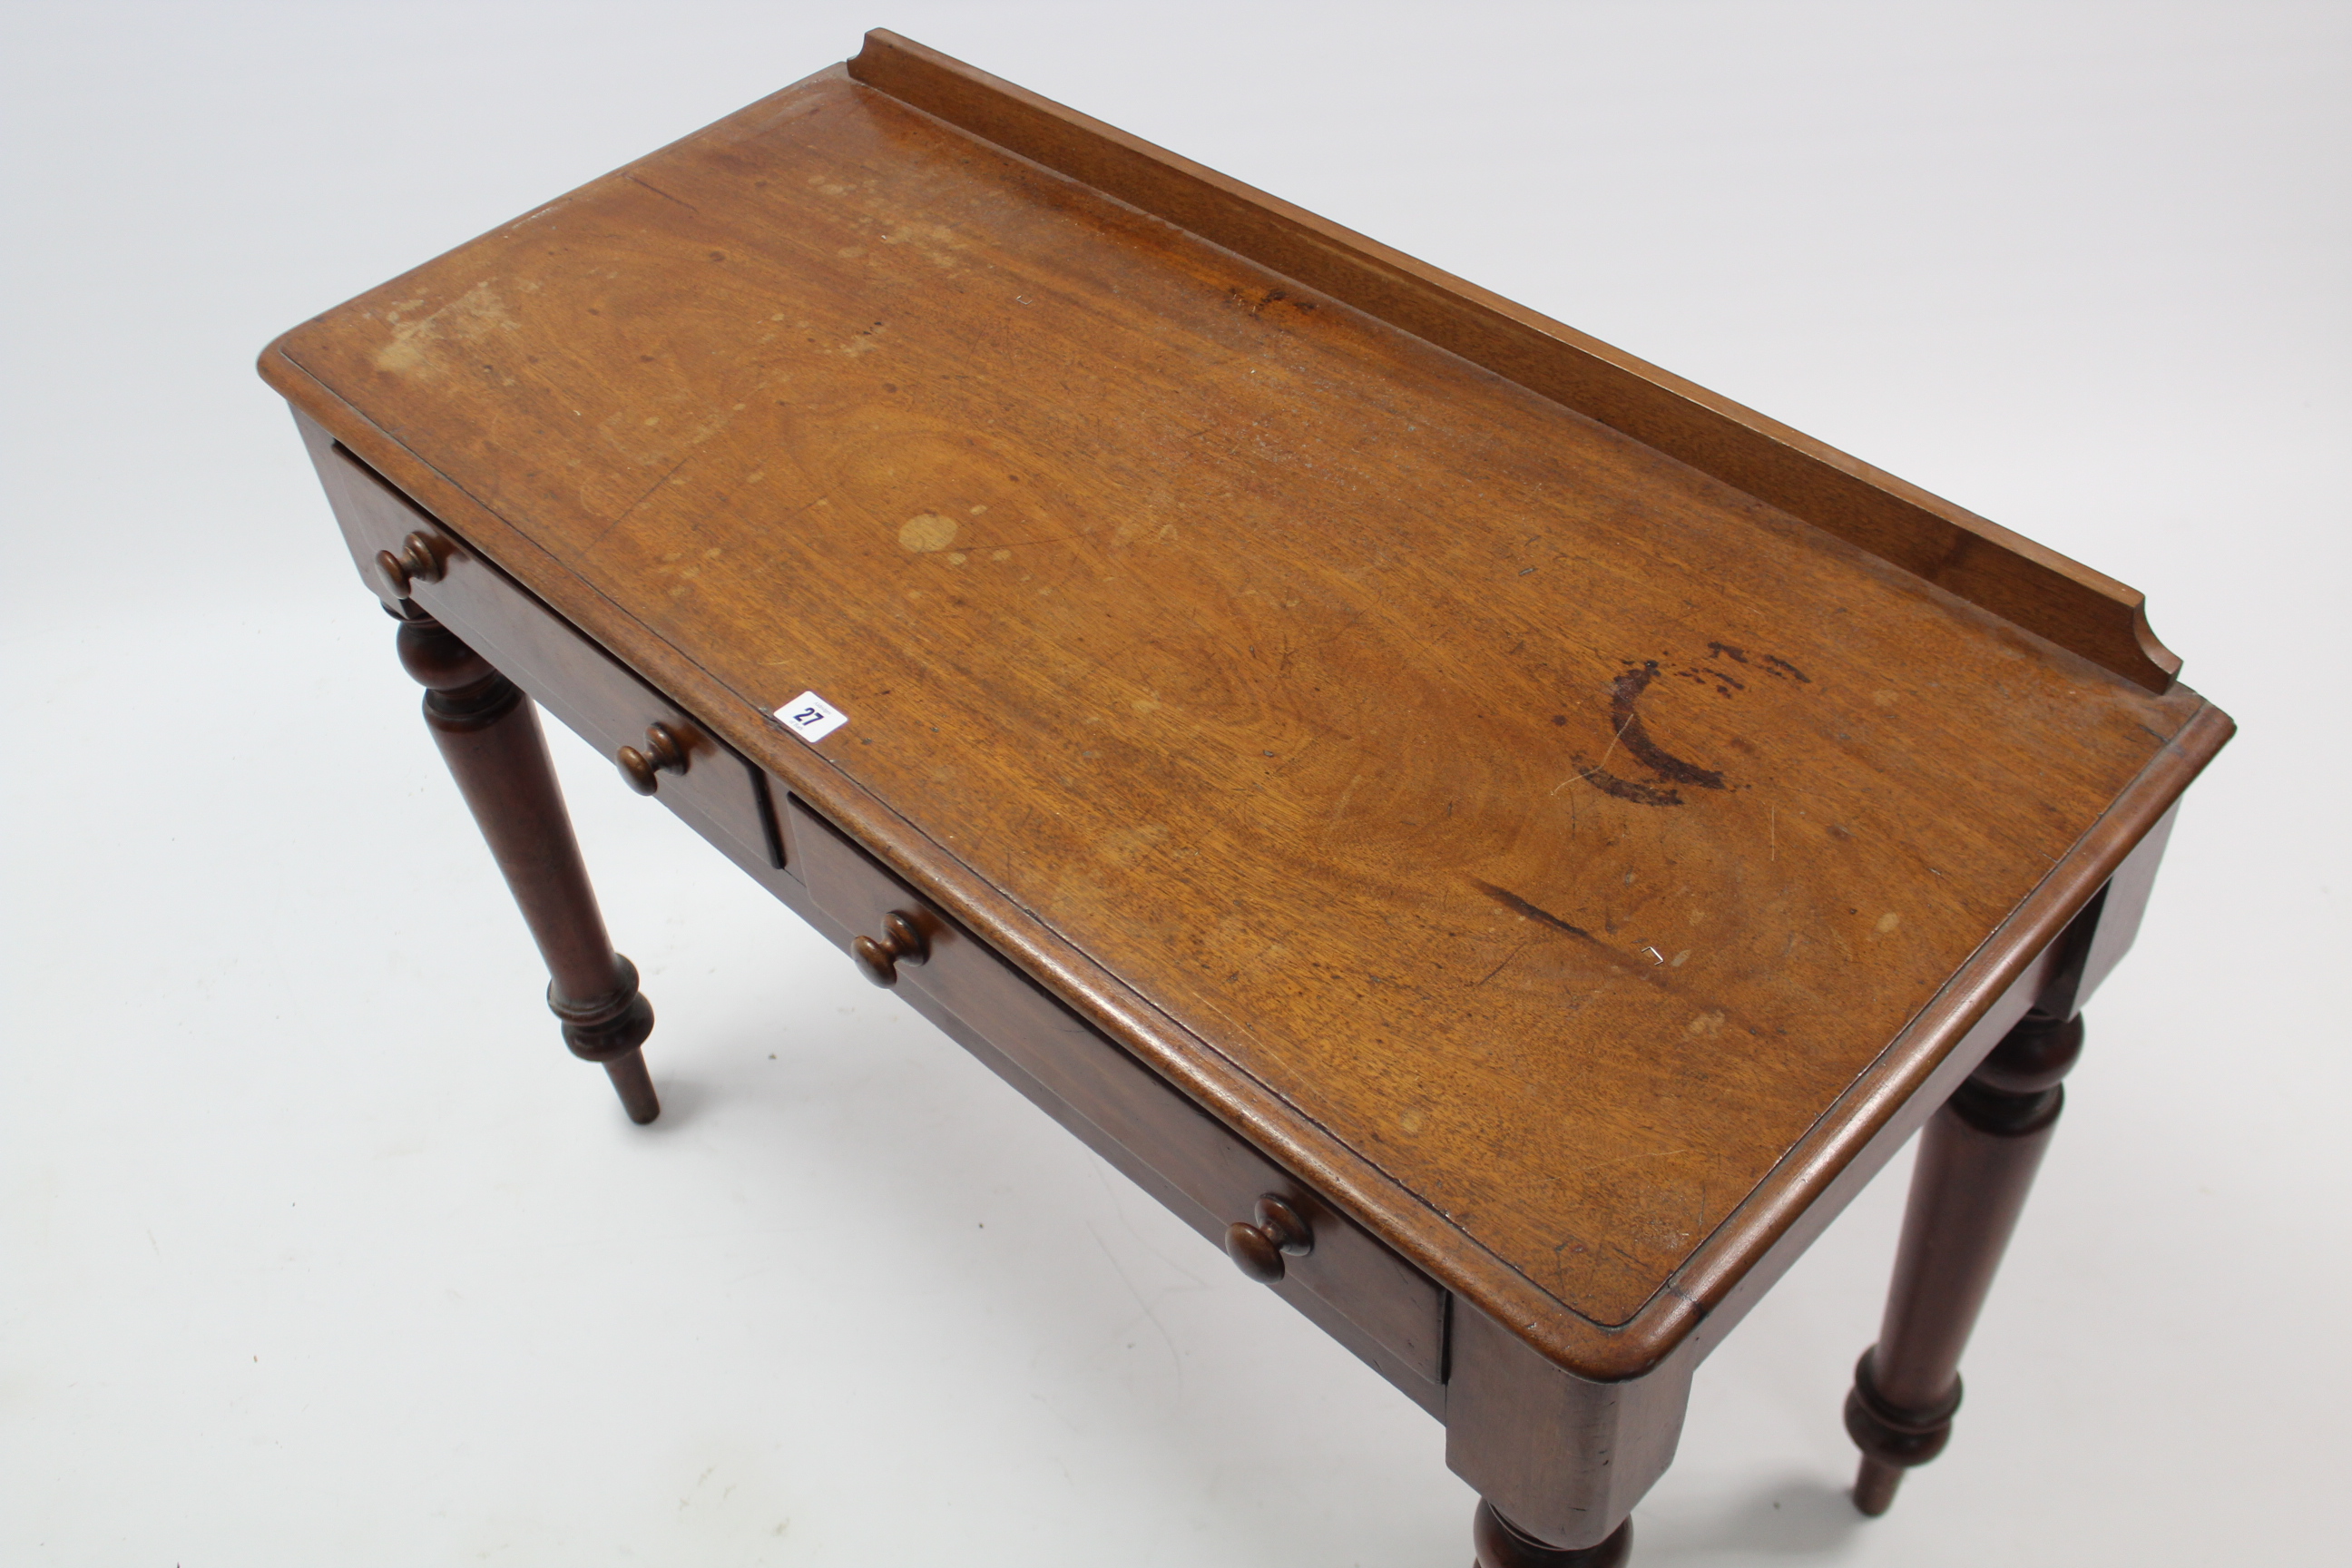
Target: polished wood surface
x=1564, y=855
x=1981, y=561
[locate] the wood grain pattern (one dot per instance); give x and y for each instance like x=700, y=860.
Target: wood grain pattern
x=1530, y=838
x=1981, y=561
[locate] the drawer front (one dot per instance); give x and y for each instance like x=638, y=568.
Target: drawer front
x=1206, y=1173
x=718, y=793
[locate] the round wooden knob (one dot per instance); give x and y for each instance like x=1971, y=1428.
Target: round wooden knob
x=903, y=942
x=1257, y=1249
x=419, y=560
x=662, y=753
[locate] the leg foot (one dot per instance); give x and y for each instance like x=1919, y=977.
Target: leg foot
x=1874, y=1485
x=1501, y=1545
x=635, y=1084
x=609, y=1030
x=1892, y=1438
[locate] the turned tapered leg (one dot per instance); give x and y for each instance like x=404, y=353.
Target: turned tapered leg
x=488, y=734
x=1502, y=1544
x=1977, y=1159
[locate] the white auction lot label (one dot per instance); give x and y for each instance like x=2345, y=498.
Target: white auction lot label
x=811, y=717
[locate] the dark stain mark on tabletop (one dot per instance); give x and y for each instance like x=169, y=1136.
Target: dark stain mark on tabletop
x=1625, y=691
x=1625, y=720
x=1512, y=901
x=1634, y=736
x=1770, y=664
x=1607, y=783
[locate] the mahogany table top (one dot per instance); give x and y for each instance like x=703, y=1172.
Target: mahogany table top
x=1549, y=824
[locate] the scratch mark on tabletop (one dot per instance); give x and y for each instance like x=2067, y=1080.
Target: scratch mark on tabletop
x=1500, y=967
x=672, y=473
x=1626, y=1160
x=1658, y=972
x=663, y=194
x=1614, y=739
x=1340, y=805
x=1308, y=747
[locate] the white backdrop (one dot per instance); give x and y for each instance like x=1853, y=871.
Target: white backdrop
x=316, y=1248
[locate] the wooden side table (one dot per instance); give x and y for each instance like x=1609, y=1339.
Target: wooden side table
x=1502, y=840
